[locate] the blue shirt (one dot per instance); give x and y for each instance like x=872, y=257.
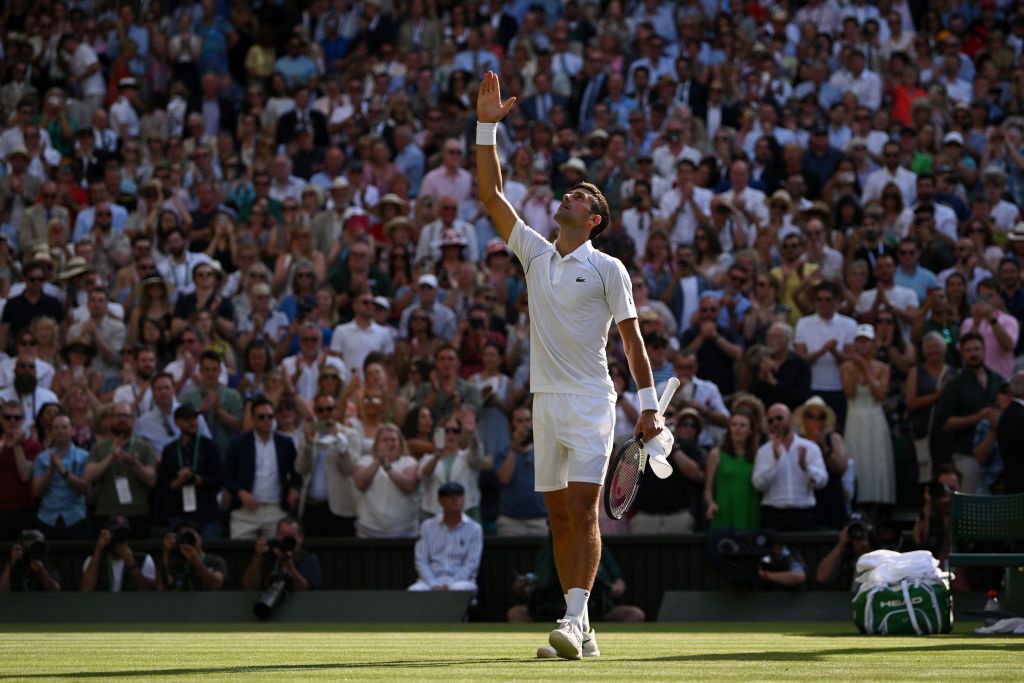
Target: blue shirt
x=742, y=306
x=295, y=69
x=60, y=500
x=518, y=498
x=920, y=281
x=411, y=161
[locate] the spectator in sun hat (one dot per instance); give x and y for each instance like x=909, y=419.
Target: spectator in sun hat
x=429, y=243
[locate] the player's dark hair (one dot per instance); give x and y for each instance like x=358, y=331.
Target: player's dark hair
x=598, y=206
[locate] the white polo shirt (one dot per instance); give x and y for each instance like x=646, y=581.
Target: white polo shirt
x=572, y=302
x=354, y=343
x=306, y=384
x=900, y=297
x=814, y=332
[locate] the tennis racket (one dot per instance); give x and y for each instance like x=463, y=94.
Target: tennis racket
x=628, y=464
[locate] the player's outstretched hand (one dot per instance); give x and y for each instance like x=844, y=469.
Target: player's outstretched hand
x=489, y=107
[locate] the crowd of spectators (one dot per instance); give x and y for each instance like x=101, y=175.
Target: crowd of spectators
x=246, y=279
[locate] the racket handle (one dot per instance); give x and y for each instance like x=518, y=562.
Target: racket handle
x=667, y=394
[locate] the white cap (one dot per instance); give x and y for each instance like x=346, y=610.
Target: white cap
x=383, y=302
x=428, y=279
x=865, y=331
x=953, y=136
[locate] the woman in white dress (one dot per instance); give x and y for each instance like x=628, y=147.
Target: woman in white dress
x=387, y=482
x=866, y=384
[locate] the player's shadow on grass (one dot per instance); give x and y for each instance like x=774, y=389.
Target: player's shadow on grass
x=805, y=655
x=266, y=668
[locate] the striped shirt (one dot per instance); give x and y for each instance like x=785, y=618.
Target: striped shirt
x=444, y=554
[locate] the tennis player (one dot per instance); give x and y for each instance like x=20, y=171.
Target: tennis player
x=575, y=293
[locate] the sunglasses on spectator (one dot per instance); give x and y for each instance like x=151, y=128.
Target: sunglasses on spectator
x=814, y=416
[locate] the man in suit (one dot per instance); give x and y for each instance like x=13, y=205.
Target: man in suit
x=588, y=88
x=219, y=115
x=260, y=475
x=419, y=32
x=713, y=110
x=538, y=107
x=303, y=117
x=34, y=221
x=1010, y=435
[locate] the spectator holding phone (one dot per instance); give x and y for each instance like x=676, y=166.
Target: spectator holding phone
x=326, y=458
x=522, y=511
x=457, y=457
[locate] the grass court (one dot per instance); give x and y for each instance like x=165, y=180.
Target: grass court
x=477, y=652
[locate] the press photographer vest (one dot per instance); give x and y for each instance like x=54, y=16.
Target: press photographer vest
x=105, y=574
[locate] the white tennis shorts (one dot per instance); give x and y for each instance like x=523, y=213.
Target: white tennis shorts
x=572, y=439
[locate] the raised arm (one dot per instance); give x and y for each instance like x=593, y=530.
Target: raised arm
x=489, y=111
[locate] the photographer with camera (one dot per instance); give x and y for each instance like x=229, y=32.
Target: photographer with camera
x=282, y=555
x=27, y=570
x=190, y=475
x=931, y=530
x=521, y=509
x=183, y=564
x=837, y=569
x=113, y=567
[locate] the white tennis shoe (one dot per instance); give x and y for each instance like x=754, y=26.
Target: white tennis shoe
x=567, y=639
x=589, y=648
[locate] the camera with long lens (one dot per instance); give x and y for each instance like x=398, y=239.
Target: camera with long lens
x=280, y=586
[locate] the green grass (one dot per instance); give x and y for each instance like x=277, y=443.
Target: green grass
x=497, y=652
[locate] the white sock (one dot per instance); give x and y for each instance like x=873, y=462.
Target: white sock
x=577, y=603
x=586, y=618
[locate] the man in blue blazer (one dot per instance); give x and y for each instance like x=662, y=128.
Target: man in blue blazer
x=260, y=476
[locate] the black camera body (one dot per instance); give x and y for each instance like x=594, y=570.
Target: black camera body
x=119, y=536
x=187, y=538
x=34, y=551
x=938, y=491
x=285, y=545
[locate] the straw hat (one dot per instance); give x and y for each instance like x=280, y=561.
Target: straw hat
x=814, y=402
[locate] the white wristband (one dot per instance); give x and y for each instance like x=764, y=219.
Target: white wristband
x=486, y=133
x=648, y=399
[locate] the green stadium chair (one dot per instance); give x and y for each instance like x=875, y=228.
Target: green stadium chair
x=986, y=519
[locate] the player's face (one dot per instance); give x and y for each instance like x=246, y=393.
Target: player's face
x=576, y=206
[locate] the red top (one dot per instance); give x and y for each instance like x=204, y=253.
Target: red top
x=16, y=494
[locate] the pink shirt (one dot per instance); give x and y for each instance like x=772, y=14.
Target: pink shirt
x=997, y=359
x=439, y=183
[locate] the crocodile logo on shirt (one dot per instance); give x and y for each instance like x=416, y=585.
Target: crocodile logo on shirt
x=580, y=279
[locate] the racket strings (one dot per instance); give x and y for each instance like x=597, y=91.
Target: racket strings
x=625, y=480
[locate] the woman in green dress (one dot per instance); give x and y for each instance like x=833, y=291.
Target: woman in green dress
x=732, y=502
